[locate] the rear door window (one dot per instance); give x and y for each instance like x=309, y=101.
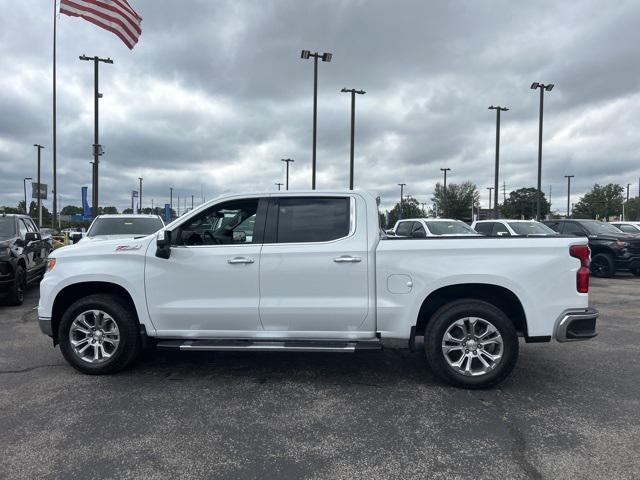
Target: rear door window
x=570, y=228
x=312, y=219
x=484, y=228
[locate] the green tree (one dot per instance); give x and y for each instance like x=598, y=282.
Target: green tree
x=71, y=210
x=632, y=210
x=107, y=211
x=410, y=209
x=600, y=202
x=522, y=203
x=460, y=198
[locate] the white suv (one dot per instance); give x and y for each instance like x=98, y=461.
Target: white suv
x=430, y=227
x=511, y=228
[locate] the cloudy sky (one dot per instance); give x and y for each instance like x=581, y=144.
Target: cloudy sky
x=215, y=94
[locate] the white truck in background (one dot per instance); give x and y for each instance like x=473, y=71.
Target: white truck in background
x=311, y=271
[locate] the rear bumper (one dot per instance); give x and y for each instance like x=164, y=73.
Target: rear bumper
x=576, y=325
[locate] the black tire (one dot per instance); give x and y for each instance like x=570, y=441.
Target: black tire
x=445, y=317
x=636, y=271
x=602, y=266
x=126, y=321
x=16, y=293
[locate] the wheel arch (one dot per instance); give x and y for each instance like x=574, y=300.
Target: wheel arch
x=498, y=296
x=75, y=291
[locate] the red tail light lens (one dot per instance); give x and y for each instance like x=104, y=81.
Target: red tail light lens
x=581, y=252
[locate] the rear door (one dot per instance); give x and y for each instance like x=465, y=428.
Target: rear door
x=313, y=267
x=404, y=229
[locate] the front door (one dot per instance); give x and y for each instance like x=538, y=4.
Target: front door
x=208, y=287
x=314, y=268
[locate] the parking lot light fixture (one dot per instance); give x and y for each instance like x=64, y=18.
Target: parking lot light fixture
x=353, y=93
x=548, y=88
x=278, y=184
x=287, y=161
x=498, y=109
x=568, y=177
x=325, y=57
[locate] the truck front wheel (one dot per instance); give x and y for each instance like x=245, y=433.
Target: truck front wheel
x=98, y=335
x=471, y=344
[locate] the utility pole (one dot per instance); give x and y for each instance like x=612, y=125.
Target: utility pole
x=498, y=109
x=548, y=88
x=490, y=189
x=627, y=202
x=97, y=148
x=549, y=199
x=134, y=194
x=191, y=202
x=568, y=177
x=279, y=185
x=38, y=148
x=353, y=92
x=326, y=57
x=140, y=196
x=504, y=192
x=444, y=207
x=401, y=185
x=170, y=202
x=288, y=161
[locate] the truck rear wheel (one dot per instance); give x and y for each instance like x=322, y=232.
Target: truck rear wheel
x=99, y=335
x=471, y=344
x=16, y=293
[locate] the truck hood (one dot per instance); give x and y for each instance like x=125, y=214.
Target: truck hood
x=116, y=246
x=98, y=238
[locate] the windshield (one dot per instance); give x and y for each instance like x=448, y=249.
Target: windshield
x=7, y=227
x=453, y=227
x=125, y=226
x=531, y=228
x=595, y=227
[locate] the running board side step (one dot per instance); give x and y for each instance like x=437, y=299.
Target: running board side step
x=268, y=346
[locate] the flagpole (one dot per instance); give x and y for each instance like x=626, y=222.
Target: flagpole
x=55, y=188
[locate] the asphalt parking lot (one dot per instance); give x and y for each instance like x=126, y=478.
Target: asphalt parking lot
x=568, y=411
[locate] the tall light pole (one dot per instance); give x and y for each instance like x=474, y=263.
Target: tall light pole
x=401, y=185
x=627, y=202
x=498, y=109
x=326, y=57
x=191, y=202
x=38, y=148
x=490, y=189
x=548, y=88
x=140, y=196
x=568, y=177
x=353, y=92
x=279, y=185
x=444, y=207
x=287, y=161
x=97, y=148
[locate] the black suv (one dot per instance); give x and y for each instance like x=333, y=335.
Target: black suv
x=611, y=249
x=23, y=256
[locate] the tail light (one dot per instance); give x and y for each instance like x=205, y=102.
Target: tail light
x=581, y=252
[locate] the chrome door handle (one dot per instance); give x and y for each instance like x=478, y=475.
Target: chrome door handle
x=240, y=260
x=347, y=259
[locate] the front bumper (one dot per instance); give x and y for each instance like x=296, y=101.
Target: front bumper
x=576, y=325
x=627, y=261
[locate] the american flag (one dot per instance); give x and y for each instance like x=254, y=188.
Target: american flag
x=116, y=16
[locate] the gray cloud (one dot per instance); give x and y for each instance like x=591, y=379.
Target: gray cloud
x=215, y=94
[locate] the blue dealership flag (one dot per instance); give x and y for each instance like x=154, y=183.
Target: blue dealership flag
x=167, y=213
x=86, y=211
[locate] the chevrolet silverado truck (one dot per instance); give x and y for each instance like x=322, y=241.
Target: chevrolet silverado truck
x=313, y=272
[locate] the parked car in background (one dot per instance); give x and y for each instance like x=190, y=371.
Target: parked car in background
x=511, y=228
x=311, y=273
x=23, y=256
x=611, y=249
x=632, y=228
x=48, y=234
x=430, y=227
x=107, y=227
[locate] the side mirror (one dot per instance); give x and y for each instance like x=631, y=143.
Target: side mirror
x=31, y=237
x=503, y=234
x=390, y=232
x=419, y=234
x=163, y=245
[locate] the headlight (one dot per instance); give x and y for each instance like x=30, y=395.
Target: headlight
x=51, y=263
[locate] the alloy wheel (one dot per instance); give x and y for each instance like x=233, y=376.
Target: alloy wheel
x=94, y=336
x=472, y=346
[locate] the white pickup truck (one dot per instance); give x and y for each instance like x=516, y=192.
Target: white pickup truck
x=312, y=271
